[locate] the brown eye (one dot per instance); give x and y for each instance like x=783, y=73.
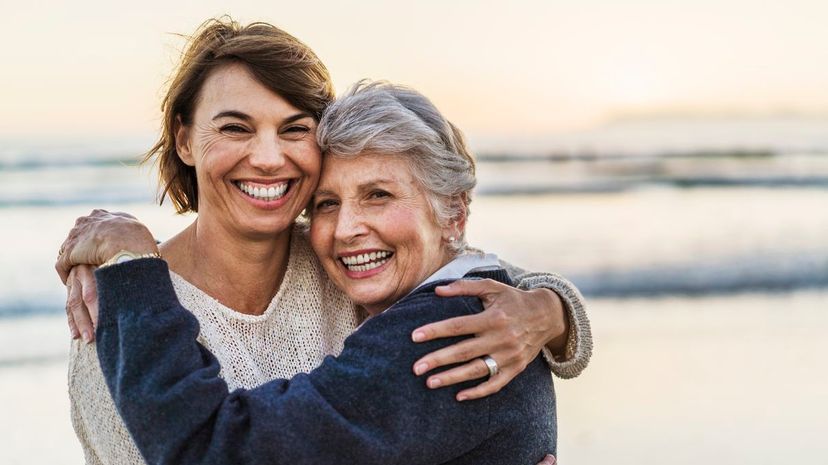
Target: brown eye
x=378, y=194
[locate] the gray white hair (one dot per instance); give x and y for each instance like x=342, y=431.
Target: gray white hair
x=384, y=118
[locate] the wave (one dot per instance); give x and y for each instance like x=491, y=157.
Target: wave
x=75, y=199
x=770, y=273
x=613, y=186
x=34, y=164
x=46, y=160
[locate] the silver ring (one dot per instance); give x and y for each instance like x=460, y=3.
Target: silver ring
x=491, y=364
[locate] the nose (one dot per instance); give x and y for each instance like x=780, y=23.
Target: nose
x=267, y=153
x=351, y=223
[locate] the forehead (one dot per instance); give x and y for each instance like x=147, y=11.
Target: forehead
x=364, y=169
x=233, y=87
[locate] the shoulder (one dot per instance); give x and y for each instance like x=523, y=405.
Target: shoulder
x=390, y=331
x=426, y=306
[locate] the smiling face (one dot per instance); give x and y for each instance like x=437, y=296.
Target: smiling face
x=255, y=155
x=373, y=229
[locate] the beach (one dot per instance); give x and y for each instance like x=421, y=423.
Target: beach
x=718, y=380
x=728, y=376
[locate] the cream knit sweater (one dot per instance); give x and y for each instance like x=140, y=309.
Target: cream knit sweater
x=307, y=319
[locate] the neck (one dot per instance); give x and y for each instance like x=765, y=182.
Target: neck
x=242, y=273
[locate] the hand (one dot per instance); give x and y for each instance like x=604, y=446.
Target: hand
x=548, y=460
x=95, y=238
x=82, y=302
x=512, y=330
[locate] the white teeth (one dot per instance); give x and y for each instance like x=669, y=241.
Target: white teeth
x=366, y=261
x=264, y=193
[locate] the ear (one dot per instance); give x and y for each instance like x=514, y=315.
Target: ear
x=457, y=225
x=182, y=142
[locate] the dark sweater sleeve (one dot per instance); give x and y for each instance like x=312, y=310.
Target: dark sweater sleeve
x=364, y=406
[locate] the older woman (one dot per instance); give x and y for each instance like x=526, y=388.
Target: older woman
x=238, y=147
x=387, y=223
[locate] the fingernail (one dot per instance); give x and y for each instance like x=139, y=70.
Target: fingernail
x=462, y=397
x=435, y=383
x=421, y=368
x=75, y=333
x=418, y=336
x=87, y=337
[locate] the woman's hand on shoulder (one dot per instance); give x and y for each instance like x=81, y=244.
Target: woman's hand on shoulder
x=92, y=241
x=512, y=330
x=96, y=237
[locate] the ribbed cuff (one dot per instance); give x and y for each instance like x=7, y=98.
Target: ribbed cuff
x=138, y=286
x=579, y=340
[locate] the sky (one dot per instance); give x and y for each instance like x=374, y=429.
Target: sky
x=96, y=69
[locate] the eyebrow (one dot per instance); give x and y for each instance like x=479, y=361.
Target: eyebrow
x=245, y=117
x=324, y=193
x=362, y=187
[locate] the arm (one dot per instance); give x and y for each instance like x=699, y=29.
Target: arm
x=362, y=407
x=578, y=349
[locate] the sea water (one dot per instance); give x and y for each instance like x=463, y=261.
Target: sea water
x=706, y=273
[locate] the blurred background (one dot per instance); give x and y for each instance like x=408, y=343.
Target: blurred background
x=669, y=157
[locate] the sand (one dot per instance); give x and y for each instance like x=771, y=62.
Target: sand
x=730, y=380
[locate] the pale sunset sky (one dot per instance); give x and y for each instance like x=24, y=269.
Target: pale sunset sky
x=90, y=68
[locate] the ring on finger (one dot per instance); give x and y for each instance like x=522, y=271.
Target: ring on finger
x=62, y=249
x=491, y=364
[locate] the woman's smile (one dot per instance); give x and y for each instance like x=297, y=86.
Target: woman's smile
x=373, y=229
x=254, y=153
x=266, y=195
x=365, y=263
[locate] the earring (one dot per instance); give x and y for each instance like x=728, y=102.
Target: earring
x=452, y=238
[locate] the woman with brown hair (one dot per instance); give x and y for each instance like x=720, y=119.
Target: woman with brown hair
x=238, y=146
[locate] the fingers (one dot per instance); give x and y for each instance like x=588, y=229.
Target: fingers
x=62, y=265
x=463, y=351
x=548, y=460
x=89, y=293
x=491, y=386
x=474, y=369
x=458, y=326
x=73, y=328
x=471, y=287
x=76, y=308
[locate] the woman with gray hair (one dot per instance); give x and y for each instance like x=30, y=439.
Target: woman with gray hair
x=387, y=223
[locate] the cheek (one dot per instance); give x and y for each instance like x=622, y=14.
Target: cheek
x=308, y=157
x=321, y=235
x=219, y=155
x=402, y=228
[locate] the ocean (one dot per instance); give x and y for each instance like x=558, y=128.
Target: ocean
x=694, y=242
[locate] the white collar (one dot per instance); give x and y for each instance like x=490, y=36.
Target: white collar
x=463, y=265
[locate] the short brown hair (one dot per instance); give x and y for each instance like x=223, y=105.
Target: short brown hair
x=275, y=58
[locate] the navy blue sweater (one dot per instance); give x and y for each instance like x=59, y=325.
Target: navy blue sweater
x=363, y=407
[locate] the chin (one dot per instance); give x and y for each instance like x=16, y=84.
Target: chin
x=369, y=298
